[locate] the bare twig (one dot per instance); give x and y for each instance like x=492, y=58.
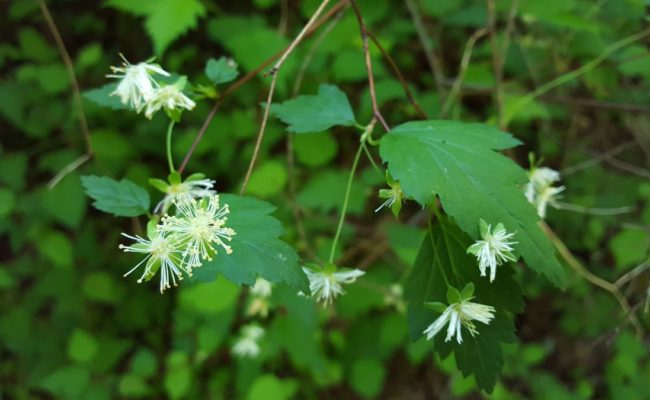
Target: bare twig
x=296, y=210
x=371, y=78
x=590, y=277
x=312, y=51
x=464, y=63
x=571, y=75
x=633, y=273
x=633, y=169
x=497, y=64
x=244, y=79
x=429, y=50
x=199, y=135
x=76, y=94
x=399, y=75
x=274, y=73
x=510, y=26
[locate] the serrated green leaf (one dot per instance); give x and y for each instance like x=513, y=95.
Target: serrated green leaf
x=316, y=113
x=169, y=19
x=457, y=162
x=102, y=97
x=442, y=259
x=221, y=71
x=122, y=199
x=257, y=250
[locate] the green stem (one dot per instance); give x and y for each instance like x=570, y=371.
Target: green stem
x=574, y=74
x=348, y=189
x=372, y=160
x=170, y=160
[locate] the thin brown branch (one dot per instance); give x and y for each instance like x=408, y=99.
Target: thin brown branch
x=497, y=64
x=274, y=73
x=427, y=45
x=244, y=79
x=371, y=78
x=399, y=75
x=591, y=278
x=76, y=95
x=199, y=135
x=464, y=64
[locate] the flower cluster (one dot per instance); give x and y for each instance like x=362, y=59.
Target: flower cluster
x=540, y=191
x=494, y=248
x=139, y=89
x=325, y=283
x=460, y=312
x=183, y=241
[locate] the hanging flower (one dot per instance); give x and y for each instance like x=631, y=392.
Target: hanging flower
x=325, y=283
x=195, y=186
x=198, y=225
x=494, y=248
x=162, y=253
x=136, y=84
x=394, y=196
x=169, y=98
x=547, y=196
x=539, y=191
x=260, y=293
x=247, y=344
x=458, y=314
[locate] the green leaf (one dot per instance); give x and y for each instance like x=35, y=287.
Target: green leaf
x=122, y=199
x=268, y=179
x=316, y=113
x=257, y=250
x=82, y=346
x=456, y=161
x=367, y=377
x=169, y=19
x=221, y=71
x=102, y=96
x=442, y=258
x=270, y=387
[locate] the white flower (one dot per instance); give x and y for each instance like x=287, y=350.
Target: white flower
x=162, y=253
x=170, y=98
x=539, y=191
x=545, y=196
x=260, y=293
x=247, y=344
x=494, y=249
x=457, y=315
x=262, y=288
x=136, y=82
x=196, y=189
x=325, y=284
x=198, y=225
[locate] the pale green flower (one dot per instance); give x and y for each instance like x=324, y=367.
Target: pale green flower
x=161, y=253
x=494, y=248
x=461, y=312
x=325, y=283
x=247, y=344
x=198, y=226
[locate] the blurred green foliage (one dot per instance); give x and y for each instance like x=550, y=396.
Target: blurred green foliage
x=72, y=328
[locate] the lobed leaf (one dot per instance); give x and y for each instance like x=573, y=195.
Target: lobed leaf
x=221, y=70
x=316, y=113
x=457, y=162
x=441, y=259
x=257, y=249
x=122, y=199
